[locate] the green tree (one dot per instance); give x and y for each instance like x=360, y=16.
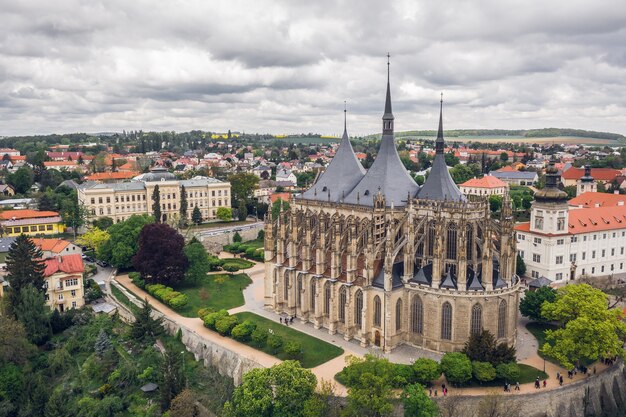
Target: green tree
x=184, y=405
x=457, y=367
x=495, y=203
x=322, y=402
x=145, y=328
x=156, y=204
x=22, y=180
x=417, y=404
x=46, y=203
x=103, y=223
x=482, y=347
x=14, y=345
x=237, y=237
x=451, y=159
x=183, y=205
x=196, y=216
x=530, y=305
x=520, y=266
x=570, y=190
x=74, y=214
x=483, y=371
x=94, y=238
x=242, y=186
x=508, y=371
x=279, y=205
x=32, y=312
x=103, y=343
x=461, y=173
x=123, y=243
x=224, y=214
x=24, y=267
x=371, y=397
x=590, y=330
x=58, y=404
x=280, y=391
x=171, y=381
x=425, y=370
x=504, y=156
x=199, y=264
x=242, y=210
x=419, y=179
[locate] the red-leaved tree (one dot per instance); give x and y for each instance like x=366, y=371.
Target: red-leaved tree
x=160, y=258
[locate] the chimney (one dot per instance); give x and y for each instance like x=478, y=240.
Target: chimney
x=60, y=259
x=616, y=192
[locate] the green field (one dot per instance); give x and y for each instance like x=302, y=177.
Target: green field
x=238, y=262
x=314, y=351
x=215, y=295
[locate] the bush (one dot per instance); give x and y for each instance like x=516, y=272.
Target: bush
x=211, y=318
x=260, y=235
x=92, y=290
x=179, y=301
x=243, y=331
x=293, y=349
x=259, y=336
x=215, y=263
x=274, y=342
x=250, y=252
x=205, y=311
x=226, y=324
x=135, y=277
x=231, y=268
x=170, y=297
x=237, y=237
x=508, y=371
x=425, y=370
x=483, y=371
x=457, y=367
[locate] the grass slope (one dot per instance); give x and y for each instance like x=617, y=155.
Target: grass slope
x=210, y=294
x=315, y=351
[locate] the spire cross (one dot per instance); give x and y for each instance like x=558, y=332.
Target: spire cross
x=345, y=123
x=441, y=97
x=388, y=56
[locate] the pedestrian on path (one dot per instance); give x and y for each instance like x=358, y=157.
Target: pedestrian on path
x=561, y=380
x=430, y=391
x=545, y=383
x=517, y=386
x=281, y=320
x=537, y=383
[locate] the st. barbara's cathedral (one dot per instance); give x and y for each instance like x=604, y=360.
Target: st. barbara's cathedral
x=377, y=258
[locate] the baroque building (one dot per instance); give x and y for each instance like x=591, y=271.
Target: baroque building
x=376, y=258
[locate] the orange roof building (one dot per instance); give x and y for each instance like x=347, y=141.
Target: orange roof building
x=603, y=175
x=31, y=222
x=64, y=282
x=55, y=247
x=485, y=186
x=283, y=196
x=594, y=199
x=111, y=177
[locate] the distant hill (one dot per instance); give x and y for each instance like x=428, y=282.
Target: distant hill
x=550, y=132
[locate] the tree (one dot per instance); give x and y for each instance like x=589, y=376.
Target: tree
x=123, y=242
x=322, y=402
x=457, y=367
x=160, y=258
x=461, y=173
x=46, y=203
x=22, y=180
x=508, y=371
x=419, y=179
x=520, y=266
x=199, y=264
x=74, y=214
x=24, y=267
x=183, y=205
x=145, y=328
x=426, y=370
x=278, y=206
x=103, y=343
x=483, y=371
x=14, y=345
x=156, y=204
x=570, y=190
x=224, y=214
x=171, y=377
x=242, y=186
x=504, y=156
x=103, y=223
x=58, y=404
x=196, y=216
x=32, y=312
x=482, y=347
x=371, y=397
x=451, y=159
x=242, y=210
x=416, y=403
x=184, y=405
x=589, y=329
x=495, y=203
x=94, y=238
x=237, y=237
x=530, y=305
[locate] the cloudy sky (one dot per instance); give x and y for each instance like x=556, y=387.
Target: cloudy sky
x=287, y=66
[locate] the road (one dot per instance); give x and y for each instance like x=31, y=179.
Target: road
x=231, y=229
x=102, y=275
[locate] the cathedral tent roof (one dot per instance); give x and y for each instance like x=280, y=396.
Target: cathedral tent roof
x=340, y=177
x=424, y=276
x=439, y=185
x=474, y=283
x=449, y=281
x=396, y=276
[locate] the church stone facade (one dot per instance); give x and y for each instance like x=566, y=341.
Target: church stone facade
x=376, y=258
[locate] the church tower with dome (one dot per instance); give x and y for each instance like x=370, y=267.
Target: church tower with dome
x=376, y=258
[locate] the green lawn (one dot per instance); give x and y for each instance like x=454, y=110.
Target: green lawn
x=538, y=330
x=122, y=298
x=238, y=262
x=315, y=351
x=209, y=294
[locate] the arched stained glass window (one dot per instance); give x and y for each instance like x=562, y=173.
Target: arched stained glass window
x=399, y=314
x=342, y=304
x=502, y=319
x=446, y=321
x=358, y=308
x=477, y=319
x=417, y=315
x=377, y=311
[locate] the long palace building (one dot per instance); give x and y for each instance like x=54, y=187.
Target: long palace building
x=377, y=258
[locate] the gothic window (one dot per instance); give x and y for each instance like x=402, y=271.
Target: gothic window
x=342, y=304
x=431, y=238
x=399, y=314
x=451, y=242
x=417, y=315
x=358, y=308
x=446, y=321
x=286, y=286
x=502, y=319
x=477, y=319
x=313, y=294
x=327, y=298
x=560, y=223
x=377, y=312
x=299, y=289
x=469, y=241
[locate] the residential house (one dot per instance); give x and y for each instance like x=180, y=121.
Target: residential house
x=485, y=186
x=516, y=177
x=286, y=175
x=64, y=282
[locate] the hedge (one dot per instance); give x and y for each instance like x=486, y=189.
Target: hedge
x=135, y=277
x=167, y=295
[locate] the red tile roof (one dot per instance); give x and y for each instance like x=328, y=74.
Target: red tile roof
x=590, y=200
x=51, y=245
x=26, y=214
x=68, y=264
x=485, y=182
x=602, y=174
x=59, y=163
x=102, y=176
x=507, y=168
x=282, y=196
x=589, y=220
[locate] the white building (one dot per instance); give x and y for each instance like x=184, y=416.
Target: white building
x=564, y=243
x=286, y=175
x=487, y=185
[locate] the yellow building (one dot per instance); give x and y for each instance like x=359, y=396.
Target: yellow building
x=64, y=282
x=31, y=222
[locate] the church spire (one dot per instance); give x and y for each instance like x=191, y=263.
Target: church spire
x=345, y=120
x=439, y=143
x=388, y=116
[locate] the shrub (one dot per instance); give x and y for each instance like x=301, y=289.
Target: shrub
x=402, y=375
x=179, y=301
x=274, y=342
x=508, y=371
x=293, y=349
x=215, y=263
x=231, y=268
x=261, y=235
x=425, y=370
x=92, y=290
x=243, y=331
x=237, y=237
x=135, y=277
x=250, y=251
x=226, y=324
x=210, y=319
x=457, y=367
x=170, y=297
x=483, y=371
x=205, y=311
x=259, y=336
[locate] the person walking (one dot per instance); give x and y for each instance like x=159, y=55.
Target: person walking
x=545, y=383
x=517, y=386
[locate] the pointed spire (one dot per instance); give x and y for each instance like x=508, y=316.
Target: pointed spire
x=345, y=117
x=388, y=116
x=439, y=143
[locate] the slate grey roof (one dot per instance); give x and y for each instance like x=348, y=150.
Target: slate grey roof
x=396, y=276
x=424, y=276
x=5, y=243
x=514, y=175
x=340, y=177
x=540, y=282
x=121, y=186
x=449, y=281
x=473, y=281
x=439, y=185
x=199, y=181
x=156, y=174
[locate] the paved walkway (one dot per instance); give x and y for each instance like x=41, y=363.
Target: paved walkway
x=254, y=302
